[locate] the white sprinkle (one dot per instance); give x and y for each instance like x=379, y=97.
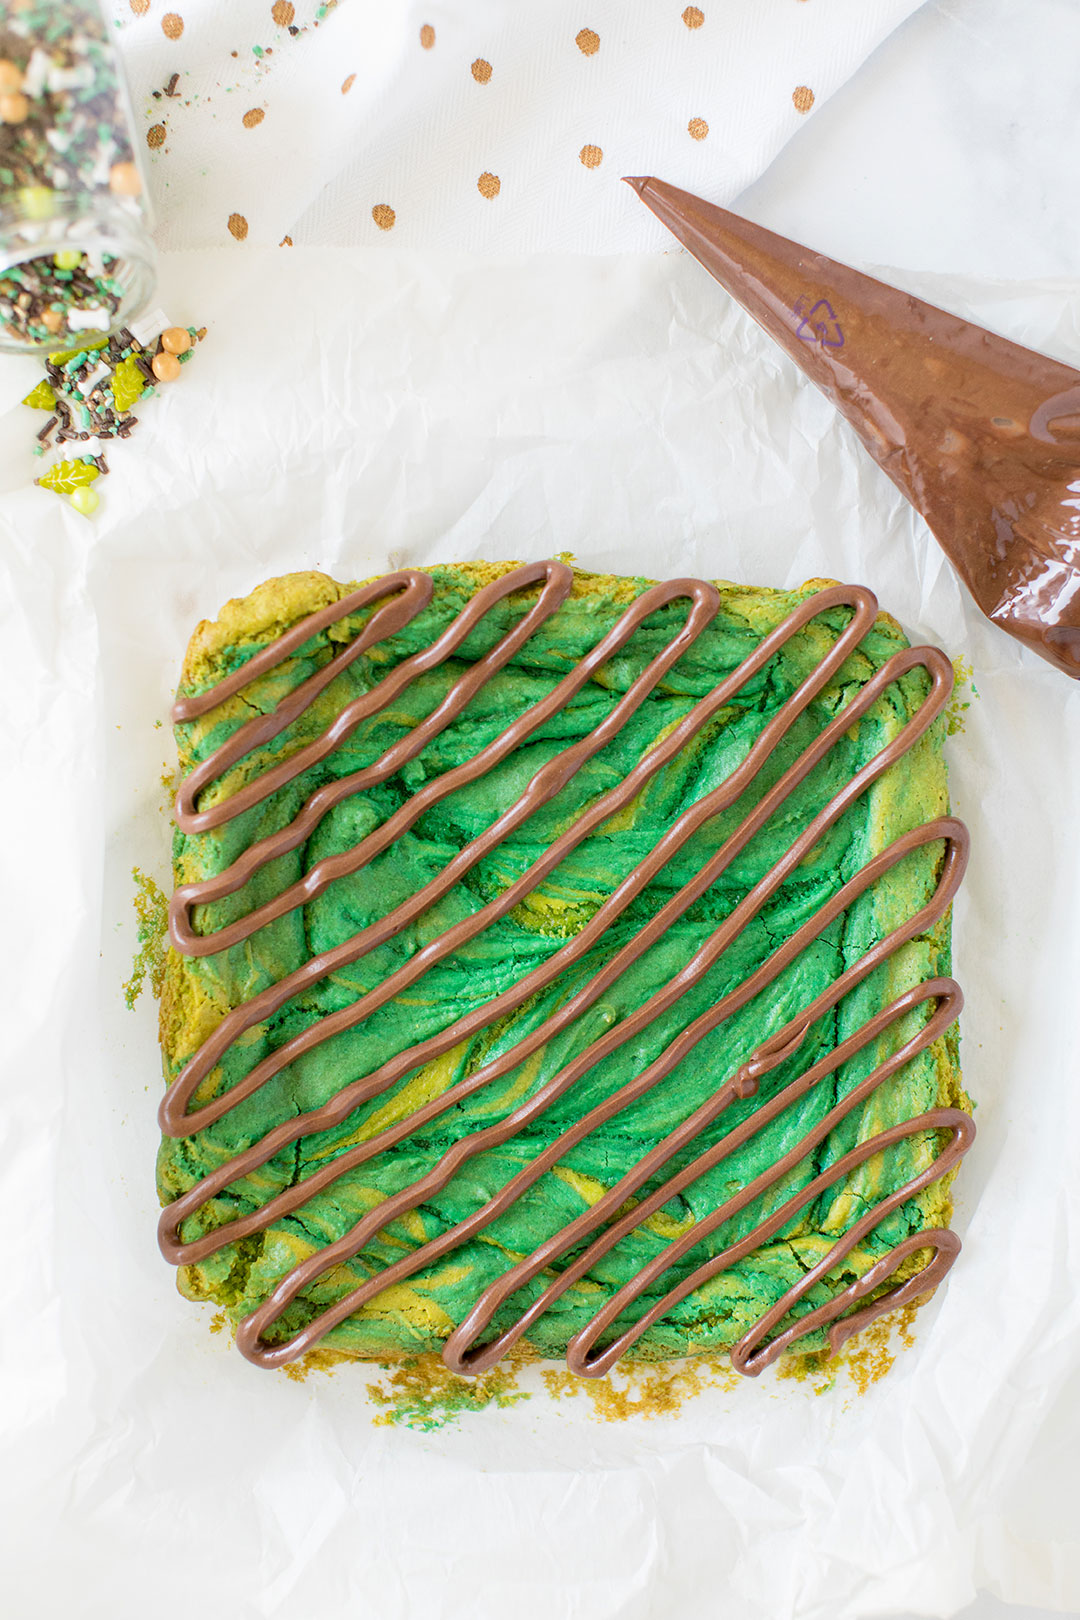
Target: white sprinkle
x=37, y=72
x=88, y=383
x=75, y=78
x=94, y=318
x=149, y=326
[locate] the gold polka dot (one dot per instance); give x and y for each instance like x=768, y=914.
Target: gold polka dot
x=348, y=83
x=238, y=226
x=698, y=128
x=591, y=156
x=139, y=7
x=252, y=117
x=803, y=97
x=155, y=135
x=282, y=13
x=384, y=216
x=488, y=185
x=427, y=36
x=588, y=42
x=172, y=25
x=692, y=17
x=481, y=70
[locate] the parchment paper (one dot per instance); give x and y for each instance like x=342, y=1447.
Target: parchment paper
x=349, y=412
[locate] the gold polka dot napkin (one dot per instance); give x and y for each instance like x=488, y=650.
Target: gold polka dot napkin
x=495, y=126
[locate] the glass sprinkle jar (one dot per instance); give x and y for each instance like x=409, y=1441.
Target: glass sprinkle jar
x=76, y=255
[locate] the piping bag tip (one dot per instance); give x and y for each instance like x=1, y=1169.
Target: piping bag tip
x=981, y=435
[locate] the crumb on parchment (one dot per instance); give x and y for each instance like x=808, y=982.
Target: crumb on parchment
x=421, y=1392
x=151, y=923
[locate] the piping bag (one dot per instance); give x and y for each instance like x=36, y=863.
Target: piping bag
x=981, y=435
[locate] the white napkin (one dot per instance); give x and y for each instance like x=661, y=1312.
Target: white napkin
x=495, y=126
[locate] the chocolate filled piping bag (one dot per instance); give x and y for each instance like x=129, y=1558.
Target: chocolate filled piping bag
x=981, y=435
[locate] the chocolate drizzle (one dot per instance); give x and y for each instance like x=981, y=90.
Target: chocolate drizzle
x=981, y=435
x=397, y=599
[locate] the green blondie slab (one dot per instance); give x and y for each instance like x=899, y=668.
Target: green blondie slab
x=419, y=1313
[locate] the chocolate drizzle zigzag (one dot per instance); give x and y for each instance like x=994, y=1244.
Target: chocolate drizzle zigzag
x=396, y=600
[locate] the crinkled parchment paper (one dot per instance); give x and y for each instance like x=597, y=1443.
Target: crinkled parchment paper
x=347, y=412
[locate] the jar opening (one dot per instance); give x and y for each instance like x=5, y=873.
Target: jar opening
x=72, y=276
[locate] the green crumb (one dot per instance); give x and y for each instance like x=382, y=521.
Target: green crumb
x=422, y=1393
x=152, y=922
x=958, y=703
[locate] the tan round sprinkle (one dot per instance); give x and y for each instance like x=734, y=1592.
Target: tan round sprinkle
x=803, y=97
x=427, y=36
x=588, y=42
x=125, y=180
x=384, y=216
x=172, y=25
x=488, y=185
x=10, y=78
x=253, y=117
x=698, y=128
x=176, y=340
x=139, y=7
x=692, y=17
x=166, y=367
x=282, y=13
x=591, y=156
x=52, y=320
x=348, y=84
x=238, y=226
x=14, y=108
x=481, y=70
x=155, y=135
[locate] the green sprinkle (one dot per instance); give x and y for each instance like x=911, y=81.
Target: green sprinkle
x=84, y=500
x=37, y=202
x=65, y=476
x=128, y=385
x=41, y=398
x=62, y=356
